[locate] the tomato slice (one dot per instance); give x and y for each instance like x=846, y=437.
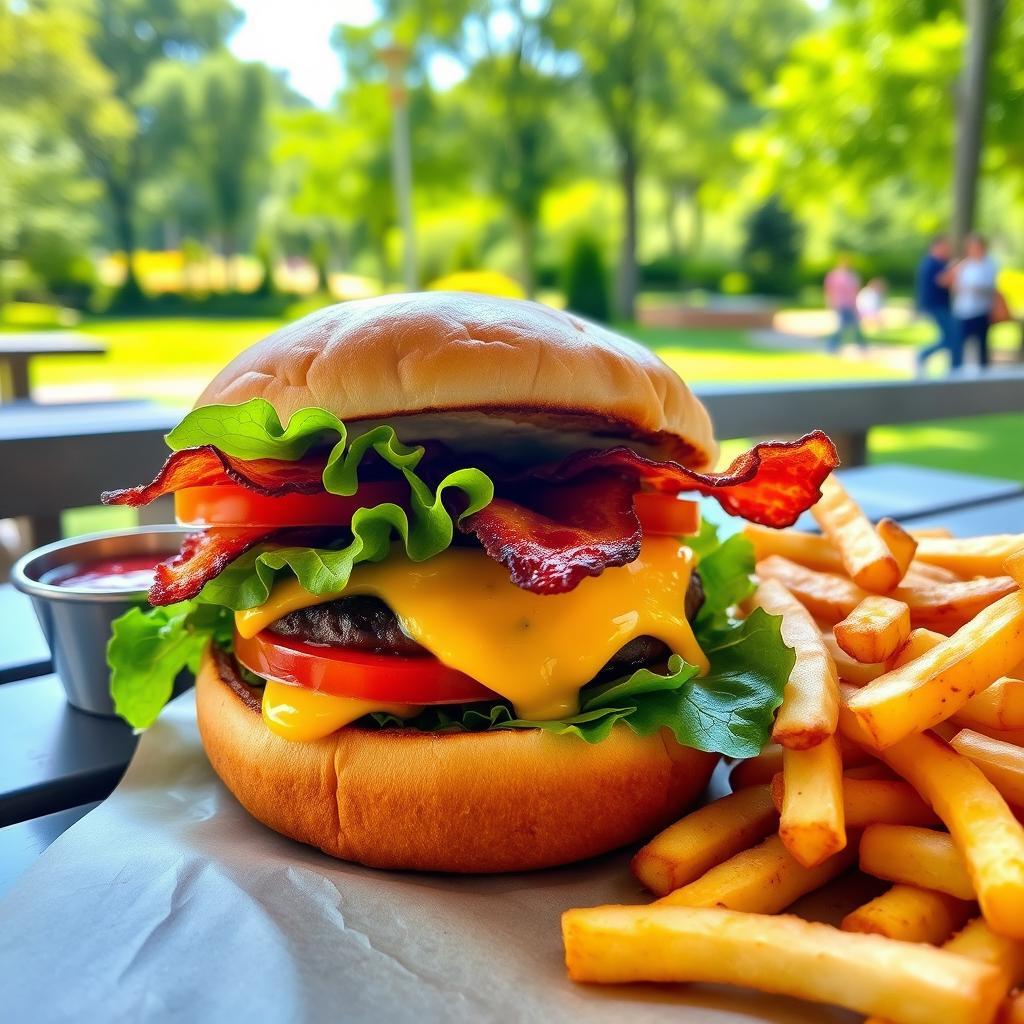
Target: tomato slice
x=343, y=672
x=665, y=515
x=235, y=505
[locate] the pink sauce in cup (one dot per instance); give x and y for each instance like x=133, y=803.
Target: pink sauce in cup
x=118, y=575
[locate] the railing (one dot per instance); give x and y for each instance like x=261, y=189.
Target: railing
x=58, y=457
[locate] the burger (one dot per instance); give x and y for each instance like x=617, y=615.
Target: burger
x=447, y=592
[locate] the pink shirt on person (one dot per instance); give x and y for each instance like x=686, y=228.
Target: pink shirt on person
x=841, y=287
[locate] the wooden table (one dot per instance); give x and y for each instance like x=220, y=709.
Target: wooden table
x=55, y=762
x=17, y=350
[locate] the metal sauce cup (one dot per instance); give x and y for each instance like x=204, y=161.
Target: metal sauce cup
x=76, y=621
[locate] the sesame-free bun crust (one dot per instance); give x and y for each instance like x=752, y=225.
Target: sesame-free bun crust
x=506, y=800
x=470, y=368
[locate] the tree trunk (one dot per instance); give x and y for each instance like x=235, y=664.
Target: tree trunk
x=982, y=17
x=675, y=244
x=227, y=252
x=122, y=202
x=527, y=238
x=627, y=277
x=696, y=224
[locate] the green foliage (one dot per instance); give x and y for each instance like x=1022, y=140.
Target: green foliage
x=585, y=279
x=771, y=252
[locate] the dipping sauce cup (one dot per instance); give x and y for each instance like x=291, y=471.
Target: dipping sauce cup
x=78, y=587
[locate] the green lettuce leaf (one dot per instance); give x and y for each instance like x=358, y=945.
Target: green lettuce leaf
x=149, y=647
x=253, y=430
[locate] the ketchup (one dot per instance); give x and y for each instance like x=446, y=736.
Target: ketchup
x=127, y=575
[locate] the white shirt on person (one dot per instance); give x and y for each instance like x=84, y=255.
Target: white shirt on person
x=973, y=287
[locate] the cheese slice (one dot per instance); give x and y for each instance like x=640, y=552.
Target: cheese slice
x=535, y=650
x=297, y=713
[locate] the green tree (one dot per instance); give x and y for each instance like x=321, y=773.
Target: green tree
x=211, y=117
x=585, y=280
x=128, y=39
x=771, y=252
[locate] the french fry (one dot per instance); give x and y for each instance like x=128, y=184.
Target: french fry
x=871, y=770
x=988, y=836
x=908, y=982
x=915, y=856
x=900, y=543
x=973, y=556
x=978, y=942
x=910, y=914
x=1014, y=566
x=875, y=630
x=866, y=557
x=810, y=701
x=756, y=771
x=811, y=822
x=849, y=669
x=936, y=685
x=1001, y=763
x=810, y=549
x=1012, y=1011
x=920, y=641
x=940, y=606
x=918, y=532
x=869, y=801
x=706, y=837
x=999, y=706
x=923, y=574
x=761, y=880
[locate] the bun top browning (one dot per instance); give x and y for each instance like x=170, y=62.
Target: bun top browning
x=476, y=371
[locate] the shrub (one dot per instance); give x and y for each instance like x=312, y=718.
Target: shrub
x=585, y=280
x=771, y=252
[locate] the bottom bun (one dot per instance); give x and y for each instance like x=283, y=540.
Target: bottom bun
x=506, y=800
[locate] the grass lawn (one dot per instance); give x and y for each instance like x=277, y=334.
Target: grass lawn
x=172, y=359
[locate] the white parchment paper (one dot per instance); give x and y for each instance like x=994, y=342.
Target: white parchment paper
x=168, y=903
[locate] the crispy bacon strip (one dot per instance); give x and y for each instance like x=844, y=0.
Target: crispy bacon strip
x=198, y=467
x=202, y=556
x=771, y=484
x=569, y=531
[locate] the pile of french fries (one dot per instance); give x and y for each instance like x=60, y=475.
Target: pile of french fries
x=899, y=750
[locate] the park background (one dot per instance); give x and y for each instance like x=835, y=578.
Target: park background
x=180, y=177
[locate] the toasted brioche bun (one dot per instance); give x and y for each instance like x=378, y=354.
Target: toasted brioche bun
x=516, y=379
x=507, y=800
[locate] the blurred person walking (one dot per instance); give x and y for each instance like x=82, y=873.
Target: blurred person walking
x=931, y=297
x=871, y=302
x=974, y=290
x=841, y=287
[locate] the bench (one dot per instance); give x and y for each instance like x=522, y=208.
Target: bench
x=59, y=457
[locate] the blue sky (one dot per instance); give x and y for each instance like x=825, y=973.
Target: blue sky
x=295, y=36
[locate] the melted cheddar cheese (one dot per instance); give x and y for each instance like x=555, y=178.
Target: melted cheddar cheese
x=300, y=714
x=536, y=651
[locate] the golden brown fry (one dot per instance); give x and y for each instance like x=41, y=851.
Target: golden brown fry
x=908, y=982
x=869, y=801
x=999, y=706
x=866, y=557
x=929, y=531
x=900, y=543
x=990, y=839
x=973, y=556
x=915, y=856
x=810, y=701
x=872, y=770
x=1001, y=763
x=756, y=771
x=1012, y=1011
x=704, y=838
x=941, y=606
x=810, y=549
x=849, y=669
x=761, y=880
x=923, y=574
x=920, y=641
x=910, y=914
x=1014, y=565
x=811, y=823
x=875, y=630
x=933, y=687
x=978, y=942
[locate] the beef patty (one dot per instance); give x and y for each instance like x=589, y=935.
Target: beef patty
x=368, y=624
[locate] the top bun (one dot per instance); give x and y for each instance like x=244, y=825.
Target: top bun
x=516, y=379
